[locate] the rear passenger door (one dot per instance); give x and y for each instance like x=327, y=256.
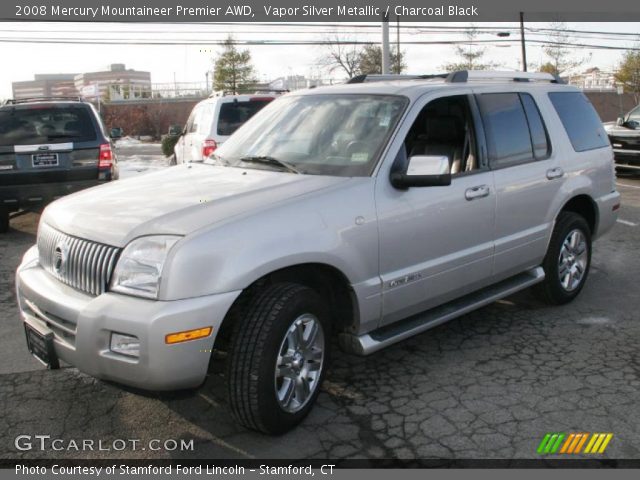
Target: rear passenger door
x=527, y=174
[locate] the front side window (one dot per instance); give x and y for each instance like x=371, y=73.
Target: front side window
x=324, y=134
x=507, y=129
x=580, y=121
x=445, y=128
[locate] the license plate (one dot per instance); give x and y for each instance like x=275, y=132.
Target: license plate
x=41, y=346
x=45, y=160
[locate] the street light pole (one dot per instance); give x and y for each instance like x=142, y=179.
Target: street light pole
x=398, y=62
x=522, y=43
x=385, y=45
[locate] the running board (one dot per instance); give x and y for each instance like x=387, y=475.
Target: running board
x=389, y=334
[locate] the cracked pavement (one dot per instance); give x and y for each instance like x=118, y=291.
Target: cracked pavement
x=487, y=385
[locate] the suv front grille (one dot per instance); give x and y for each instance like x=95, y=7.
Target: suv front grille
x=81, y=264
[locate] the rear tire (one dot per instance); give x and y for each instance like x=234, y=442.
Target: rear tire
x=4, y=220
x=278, y=358
x=568, y=259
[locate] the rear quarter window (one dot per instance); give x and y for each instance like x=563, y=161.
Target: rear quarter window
x=580, y=120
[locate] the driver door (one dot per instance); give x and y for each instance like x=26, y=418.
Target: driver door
x=436, y=243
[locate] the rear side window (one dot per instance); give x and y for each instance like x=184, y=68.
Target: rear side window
x=580, y=120
x=507, y=130
x=539, y=137
x=37, y=124
x=234, y=114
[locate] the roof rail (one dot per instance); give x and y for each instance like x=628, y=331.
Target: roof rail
x=14, y=101
x=463, y=76
x=376, y=77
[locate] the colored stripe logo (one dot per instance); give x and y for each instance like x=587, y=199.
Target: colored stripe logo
x=574, y=443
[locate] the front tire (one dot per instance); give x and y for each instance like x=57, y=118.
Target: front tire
x=278, y=358
x=568, y=259
x=173, y=160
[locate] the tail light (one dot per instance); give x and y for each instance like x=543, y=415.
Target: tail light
x=105, y=158
x=208, y=147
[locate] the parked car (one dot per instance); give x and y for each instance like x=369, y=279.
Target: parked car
x=371, y=211
x=212, y=121
x=50, y=147
x=624, y=135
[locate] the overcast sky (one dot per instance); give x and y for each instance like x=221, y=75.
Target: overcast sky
x=190, y=62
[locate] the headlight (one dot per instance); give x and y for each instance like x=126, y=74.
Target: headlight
x=139, y=268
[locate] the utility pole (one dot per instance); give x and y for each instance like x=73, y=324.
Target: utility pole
x=385, y=45
x=398, y=63
x=522, y=43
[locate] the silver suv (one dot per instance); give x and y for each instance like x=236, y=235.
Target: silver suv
x=371, y=211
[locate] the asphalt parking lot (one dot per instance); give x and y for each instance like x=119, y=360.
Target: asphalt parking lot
x=490, y=384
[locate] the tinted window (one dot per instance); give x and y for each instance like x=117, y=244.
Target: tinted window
x=45, y=124
x=506, y=127
x=580, y=120
x=539, y=138
x=234, y=114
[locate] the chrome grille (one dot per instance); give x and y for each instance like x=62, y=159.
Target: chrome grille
x=79, y=263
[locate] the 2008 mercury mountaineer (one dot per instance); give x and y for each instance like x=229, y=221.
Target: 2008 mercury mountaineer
x=372, y=210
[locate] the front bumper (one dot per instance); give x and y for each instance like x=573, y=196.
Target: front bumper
x=627, y=156
x=82, y=327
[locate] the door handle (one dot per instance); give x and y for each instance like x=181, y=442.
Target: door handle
x=555, y=173
x=476, y=192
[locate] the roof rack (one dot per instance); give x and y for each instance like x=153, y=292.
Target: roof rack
x=463, y=76
x=376, y=77
x=14, y=101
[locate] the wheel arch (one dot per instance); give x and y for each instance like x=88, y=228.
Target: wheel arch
x=330, y=282
x=585, y=206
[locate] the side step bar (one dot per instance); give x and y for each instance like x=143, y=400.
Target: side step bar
x=389, y=334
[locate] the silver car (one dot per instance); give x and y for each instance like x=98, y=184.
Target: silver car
x=371, y=211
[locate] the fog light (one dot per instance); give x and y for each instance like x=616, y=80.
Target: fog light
x=125, y=344
x=179, y=337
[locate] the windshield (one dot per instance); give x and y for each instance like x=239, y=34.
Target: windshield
x=45, y=124
x=634, y=115
x=340, y=135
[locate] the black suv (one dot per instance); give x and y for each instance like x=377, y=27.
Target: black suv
x=50, y=147
x=624, y=135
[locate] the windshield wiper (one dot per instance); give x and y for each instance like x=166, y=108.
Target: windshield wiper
x=270, y=161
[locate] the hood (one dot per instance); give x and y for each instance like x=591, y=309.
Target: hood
x=177, y=200
x=614, y=129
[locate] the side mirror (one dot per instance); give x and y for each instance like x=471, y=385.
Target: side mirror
x=424, y=171
x=620, y=121
x=116, y=133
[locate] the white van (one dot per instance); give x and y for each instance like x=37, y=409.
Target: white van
x=212, y=121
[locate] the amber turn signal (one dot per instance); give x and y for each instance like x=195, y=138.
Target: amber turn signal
x=180, y=337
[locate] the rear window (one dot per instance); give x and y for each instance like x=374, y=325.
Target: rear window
x=234, y=114
x=580, y=120
x=44, y=124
